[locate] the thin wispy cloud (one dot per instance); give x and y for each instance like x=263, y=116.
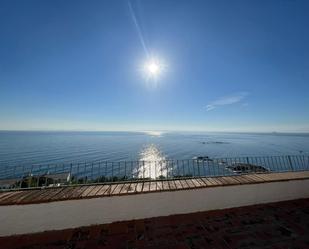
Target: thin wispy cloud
x=226, y=100
x=138, y=28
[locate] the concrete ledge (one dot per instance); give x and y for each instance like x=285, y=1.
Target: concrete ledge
x=32, y=218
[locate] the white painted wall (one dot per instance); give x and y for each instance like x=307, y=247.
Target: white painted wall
x=22, y=219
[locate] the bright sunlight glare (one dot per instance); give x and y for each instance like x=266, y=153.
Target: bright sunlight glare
x=153, y=69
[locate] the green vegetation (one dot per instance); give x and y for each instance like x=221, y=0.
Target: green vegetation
x=34, y=181
x=41, y=181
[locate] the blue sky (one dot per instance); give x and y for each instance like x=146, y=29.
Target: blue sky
x=228, y=65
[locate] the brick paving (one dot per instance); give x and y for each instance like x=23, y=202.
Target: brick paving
x=279, y=225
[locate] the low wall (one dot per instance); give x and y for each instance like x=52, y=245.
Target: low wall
x=32, y=218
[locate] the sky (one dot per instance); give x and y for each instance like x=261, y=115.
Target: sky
x=224, y=65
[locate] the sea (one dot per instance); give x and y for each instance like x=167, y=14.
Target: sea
x=42, y=147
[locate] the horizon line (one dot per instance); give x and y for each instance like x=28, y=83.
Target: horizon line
x=152, y=130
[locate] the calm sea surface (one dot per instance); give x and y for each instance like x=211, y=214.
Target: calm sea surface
x=18, y=148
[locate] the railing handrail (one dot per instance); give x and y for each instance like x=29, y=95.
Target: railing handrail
x=171, y=159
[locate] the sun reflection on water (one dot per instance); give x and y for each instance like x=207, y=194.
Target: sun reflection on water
x=152, y=163
x=154, y=133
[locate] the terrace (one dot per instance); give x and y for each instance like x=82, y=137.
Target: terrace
x=64, y=197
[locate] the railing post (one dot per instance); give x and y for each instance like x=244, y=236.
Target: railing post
x=193, y=168
x=85, y=170
x=112, y=171
x=183, y=168
x=91, y=172
x=30, y=177
x=290, y=162
x=273, y=167
x=119, y=171
x=22, y=177
x=301, y=158
x=150, y=169
x=105, y=171
x=143, y=170
x=99, y=173
x=38, y=177
x=125, y=169
x=176, y=165
x=71, y=167
x=77, y=174
x=23, y=171
x=203, y=165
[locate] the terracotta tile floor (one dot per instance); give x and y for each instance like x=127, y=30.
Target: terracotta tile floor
x=280, y=225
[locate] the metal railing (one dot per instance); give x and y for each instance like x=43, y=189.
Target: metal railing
x=28, y=176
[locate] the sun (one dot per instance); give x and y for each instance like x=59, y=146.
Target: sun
x=153, y=69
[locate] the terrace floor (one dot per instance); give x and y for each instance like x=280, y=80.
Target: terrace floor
x=41, y=195
x=270, y=226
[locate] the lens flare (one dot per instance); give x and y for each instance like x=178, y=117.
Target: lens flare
x=153, y=70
